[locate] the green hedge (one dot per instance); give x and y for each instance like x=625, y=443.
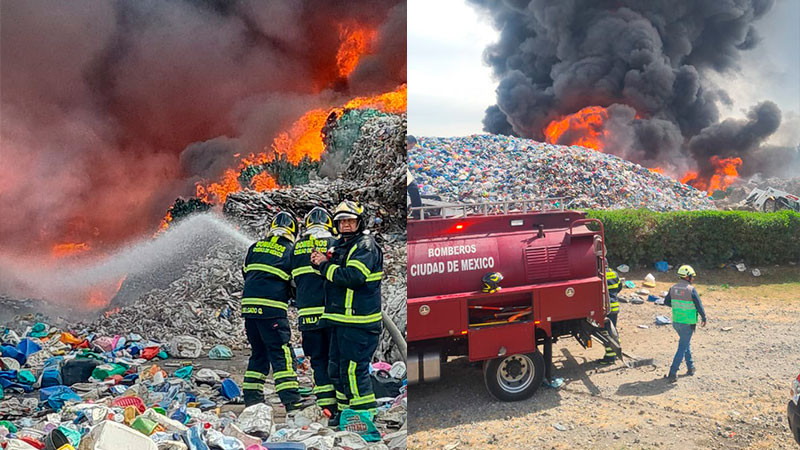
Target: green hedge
x=705, y=238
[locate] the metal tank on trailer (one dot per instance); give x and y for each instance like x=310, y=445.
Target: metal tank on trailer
x=553, y=267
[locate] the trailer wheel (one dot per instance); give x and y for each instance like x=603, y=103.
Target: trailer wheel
x=513, y=378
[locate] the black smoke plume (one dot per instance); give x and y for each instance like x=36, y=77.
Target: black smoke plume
x=111, y=109
x=643, y=60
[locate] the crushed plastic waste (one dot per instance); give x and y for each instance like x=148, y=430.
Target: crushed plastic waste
x=663, y=320
x=495, y=167
x=649, y=281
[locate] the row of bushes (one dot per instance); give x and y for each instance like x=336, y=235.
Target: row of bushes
x=706, y=238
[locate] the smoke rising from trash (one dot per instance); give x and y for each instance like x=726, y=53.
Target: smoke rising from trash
x=647, y=64
x=112, y=110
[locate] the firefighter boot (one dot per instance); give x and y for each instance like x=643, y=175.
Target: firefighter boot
x=333, y=422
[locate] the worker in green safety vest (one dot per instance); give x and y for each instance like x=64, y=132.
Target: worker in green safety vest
x=686, y=306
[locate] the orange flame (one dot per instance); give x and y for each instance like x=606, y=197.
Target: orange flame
x=585, y=128
x=726, y=171
x=263, y=182
x=69, y=249
x=656, y=170
x=355, y=42
x=303, y=139
x=165, y=222
x=391, y=102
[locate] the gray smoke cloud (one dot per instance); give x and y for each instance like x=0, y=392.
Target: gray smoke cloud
x=110, y=110
x=633, y=57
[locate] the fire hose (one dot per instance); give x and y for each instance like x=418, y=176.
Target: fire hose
x=396, y=335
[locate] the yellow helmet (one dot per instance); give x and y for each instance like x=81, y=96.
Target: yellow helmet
x=318, y=217
x=349, y=209
x=283, y=224
x=491, y=282
x=686, y=271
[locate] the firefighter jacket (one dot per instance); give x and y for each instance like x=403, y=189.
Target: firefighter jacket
x=310, y=295
x=614, y=286
x=353, y=290
x=267, y=279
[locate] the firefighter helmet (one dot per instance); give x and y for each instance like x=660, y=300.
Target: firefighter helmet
x=686, y=271
x=349, y=209
x=491, y=282
x=283, y=224
x=318, y=218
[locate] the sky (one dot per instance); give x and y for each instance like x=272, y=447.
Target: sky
x=449, y=86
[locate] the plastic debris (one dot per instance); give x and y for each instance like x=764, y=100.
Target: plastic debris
x=741, y=267
x=495, y=167
x=649, y=281
x=220, y=352
x=662, y=266
x=256, y=419
x=624, y=268
x=630, y=284
x=663, y=320
x=756, y=273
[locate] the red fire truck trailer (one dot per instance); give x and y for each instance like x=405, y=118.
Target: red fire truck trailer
x=553, y=268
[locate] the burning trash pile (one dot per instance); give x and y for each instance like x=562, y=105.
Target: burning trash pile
x=81, y=390
x=143, y=371
x=495, y=168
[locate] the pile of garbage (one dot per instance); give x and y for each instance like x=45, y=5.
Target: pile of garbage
x=733, y=197
x=482, y=168
x=75, y=389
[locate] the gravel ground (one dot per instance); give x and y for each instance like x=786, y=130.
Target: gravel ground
x=737, y=399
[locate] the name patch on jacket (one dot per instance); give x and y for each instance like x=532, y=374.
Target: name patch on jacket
x=273, y=248
x=309, y=246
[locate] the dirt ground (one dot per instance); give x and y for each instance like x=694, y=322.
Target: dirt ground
x=737, y=398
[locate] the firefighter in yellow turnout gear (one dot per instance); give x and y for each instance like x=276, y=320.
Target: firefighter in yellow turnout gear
x=352, y=307
x=614, y=286
x=265, y=301
x=310, y=301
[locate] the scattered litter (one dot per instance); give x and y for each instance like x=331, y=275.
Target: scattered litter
x=644, y=327
x=663, y=320
x=662, y=266
x=624, y=268
x=727, y=328
x=756, y=273
x=649, y=281
x=559, y=427
x=555, y=383
x=643, y=291
x=741, y=267
x=630, y=284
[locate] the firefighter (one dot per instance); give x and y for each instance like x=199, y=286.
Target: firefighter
x=352, y=307
x=310, y=301
x=686, y=305
x=267, y=291
x=614, y=286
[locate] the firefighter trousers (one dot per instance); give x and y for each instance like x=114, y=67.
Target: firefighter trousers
x=316, y=345
x=269, y=342
x=350, y=356
x=610, y=353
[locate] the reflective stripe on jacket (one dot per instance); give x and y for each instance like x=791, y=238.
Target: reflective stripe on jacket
x=353, y=290
x=267, y=278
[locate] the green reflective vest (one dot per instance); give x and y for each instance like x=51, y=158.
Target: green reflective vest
x=683, y=309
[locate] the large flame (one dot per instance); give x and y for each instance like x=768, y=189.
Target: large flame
x=303, y=139
x=726, y=171
x=356, y=40
x=584, y=128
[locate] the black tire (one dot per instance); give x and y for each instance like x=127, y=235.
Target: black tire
x=525, y=376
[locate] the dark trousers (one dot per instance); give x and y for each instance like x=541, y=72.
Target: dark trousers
x=612, y=317
x=269, y=342
x=316, y=345
x=350, y=356
x=416, y=200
